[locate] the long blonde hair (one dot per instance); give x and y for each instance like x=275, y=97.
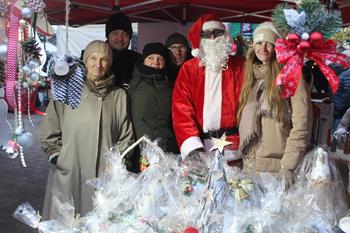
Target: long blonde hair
x=272, y=92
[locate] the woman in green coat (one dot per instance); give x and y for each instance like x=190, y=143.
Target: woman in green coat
x=150, y=92
x=76, y=140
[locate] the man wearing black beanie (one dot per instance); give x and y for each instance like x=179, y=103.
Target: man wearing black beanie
x=118, y=34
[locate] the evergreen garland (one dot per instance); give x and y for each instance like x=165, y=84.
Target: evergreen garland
x=319, y=19
x=279, y=20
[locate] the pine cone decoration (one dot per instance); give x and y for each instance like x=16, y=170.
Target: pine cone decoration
x=75, y=87
x=31, y=48
x=68, y=88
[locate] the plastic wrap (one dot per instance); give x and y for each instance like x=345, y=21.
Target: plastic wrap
x=317, y=200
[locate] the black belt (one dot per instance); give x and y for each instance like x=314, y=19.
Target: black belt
x=218, y=133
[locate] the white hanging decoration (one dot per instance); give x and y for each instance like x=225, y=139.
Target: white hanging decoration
x=26, y=12
x=295, y=20
x=25, y=140
x=61, y=67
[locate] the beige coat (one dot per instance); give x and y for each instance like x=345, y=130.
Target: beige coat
x=279, y=145
x=82, y=136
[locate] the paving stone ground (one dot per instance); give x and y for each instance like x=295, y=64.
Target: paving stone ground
x=19, y=184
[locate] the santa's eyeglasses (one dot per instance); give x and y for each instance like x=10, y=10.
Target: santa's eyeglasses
x=215, y=33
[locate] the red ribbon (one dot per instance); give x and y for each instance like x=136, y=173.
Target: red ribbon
x=292, y=51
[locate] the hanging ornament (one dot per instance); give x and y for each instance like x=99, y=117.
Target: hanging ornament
x=25, y=84
x=26, y=12
x=33, y=64
x=26, y=69
x=61, y=67
x=69, y=87
x=36, y=5
x=26, y=139
x=11, y=149
x=19, y=130
x=34, y=76
x=3, y=51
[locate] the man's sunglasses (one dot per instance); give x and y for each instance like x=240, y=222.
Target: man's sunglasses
x=216, y=33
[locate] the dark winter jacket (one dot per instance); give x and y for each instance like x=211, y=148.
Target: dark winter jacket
x=341, y=98
x=123, y=66
x=150, y=93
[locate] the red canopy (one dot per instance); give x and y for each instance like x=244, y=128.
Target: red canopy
x=181, y=11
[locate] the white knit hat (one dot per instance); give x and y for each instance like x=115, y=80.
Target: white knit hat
x=265, y=32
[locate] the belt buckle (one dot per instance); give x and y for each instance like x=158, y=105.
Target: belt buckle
x=214, y=134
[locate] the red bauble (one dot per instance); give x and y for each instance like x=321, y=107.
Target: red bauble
x=316, y=38
x=191, y=230
x=303, y=46
x=293, y=38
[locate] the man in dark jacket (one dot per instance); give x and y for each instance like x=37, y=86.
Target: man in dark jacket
x=179, y=52
x=118, y=34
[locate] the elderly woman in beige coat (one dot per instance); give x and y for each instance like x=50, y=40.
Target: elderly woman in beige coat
x=274, y=132
x=76, y=140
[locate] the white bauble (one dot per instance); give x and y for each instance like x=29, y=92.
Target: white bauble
x=19, y=130
x=25, y=85
x=61, y=68
x=34, y=76
x=33, y=64
x=26, y=69
x=305, y=36
x=3, y=51
x=26, y=12
x=26, y=139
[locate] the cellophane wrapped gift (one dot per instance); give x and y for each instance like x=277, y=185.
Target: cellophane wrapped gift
x=26, y=214
x=317, y=200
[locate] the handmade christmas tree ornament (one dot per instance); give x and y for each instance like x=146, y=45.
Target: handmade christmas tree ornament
x=307, y=26
x=68, y=87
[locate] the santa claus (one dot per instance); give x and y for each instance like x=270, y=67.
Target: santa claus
x=206, y=92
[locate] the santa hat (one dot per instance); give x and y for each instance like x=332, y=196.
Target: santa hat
x=205, y=22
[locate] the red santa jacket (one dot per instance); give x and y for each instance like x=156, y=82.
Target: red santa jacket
x=188, y=100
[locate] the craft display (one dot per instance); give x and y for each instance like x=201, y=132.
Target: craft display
x=154, y=201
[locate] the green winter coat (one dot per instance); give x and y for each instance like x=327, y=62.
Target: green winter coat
x=82, y=136
x=150, y=93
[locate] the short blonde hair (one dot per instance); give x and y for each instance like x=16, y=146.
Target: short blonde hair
x=98, y=46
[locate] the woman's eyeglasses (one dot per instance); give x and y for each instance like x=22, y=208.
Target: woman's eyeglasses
x=216, y=33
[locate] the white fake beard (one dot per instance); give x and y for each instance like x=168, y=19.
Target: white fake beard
x=214, y=53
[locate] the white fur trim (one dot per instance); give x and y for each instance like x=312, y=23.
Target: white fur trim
x=195, y=52
x=212, y=100
x=190, y=144
x=213, y=25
